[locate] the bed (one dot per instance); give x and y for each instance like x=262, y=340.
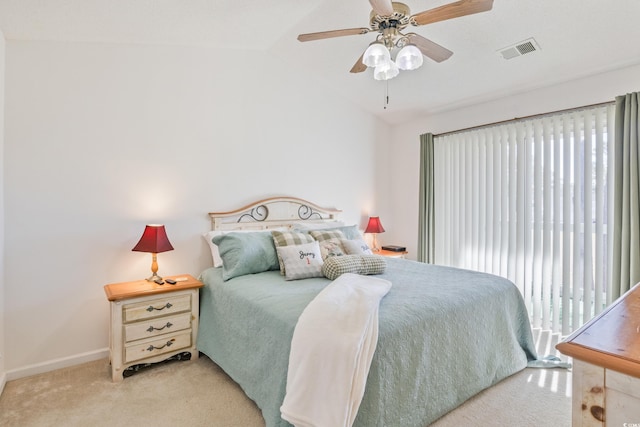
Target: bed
x=445, y=334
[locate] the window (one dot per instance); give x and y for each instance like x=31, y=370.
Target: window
x=528, y=200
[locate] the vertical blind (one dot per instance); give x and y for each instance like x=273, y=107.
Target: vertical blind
x=529, y=200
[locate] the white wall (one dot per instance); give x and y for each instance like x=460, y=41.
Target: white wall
x=2, y=292
x=400, y=198
x=102, y=139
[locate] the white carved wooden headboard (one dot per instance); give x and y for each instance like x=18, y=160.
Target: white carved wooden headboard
x=272, y=213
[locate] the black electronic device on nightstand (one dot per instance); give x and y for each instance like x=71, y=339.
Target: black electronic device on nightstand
x=394, y=248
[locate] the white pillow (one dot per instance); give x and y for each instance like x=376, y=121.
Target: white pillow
x=356, y=247
x=215, y=254
x=301, y=261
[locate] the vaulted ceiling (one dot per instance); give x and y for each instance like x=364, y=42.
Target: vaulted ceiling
x=576, y=38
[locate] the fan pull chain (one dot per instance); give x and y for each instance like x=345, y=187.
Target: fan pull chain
x=386, y=94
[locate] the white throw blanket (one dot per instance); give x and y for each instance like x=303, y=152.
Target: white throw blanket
x=331, y=352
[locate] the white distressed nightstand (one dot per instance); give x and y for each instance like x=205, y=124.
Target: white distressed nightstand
x=151, y=322
x=391, y=254
x=606, y=365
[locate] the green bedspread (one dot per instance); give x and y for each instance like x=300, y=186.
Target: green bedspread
x=445, y=334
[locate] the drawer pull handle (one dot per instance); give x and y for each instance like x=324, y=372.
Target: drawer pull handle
x=153, y=328
x=168, y=344
x=151, y=308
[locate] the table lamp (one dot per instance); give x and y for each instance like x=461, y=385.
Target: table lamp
x=154, y=240
x=374, y=226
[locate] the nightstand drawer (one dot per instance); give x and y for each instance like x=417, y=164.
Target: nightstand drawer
x=153, y=327
x=160, y=345
x=156, y=307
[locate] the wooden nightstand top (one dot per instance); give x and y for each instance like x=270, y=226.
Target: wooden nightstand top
x=391, y=254
x=610, y=340
x=139, y=288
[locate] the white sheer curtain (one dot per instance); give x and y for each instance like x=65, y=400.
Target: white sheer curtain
x=529, y=200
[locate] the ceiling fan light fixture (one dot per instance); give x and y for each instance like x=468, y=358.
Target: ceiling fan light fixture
x=386, y=71
x=389, y=19
x=375, y=55
x=409, y=58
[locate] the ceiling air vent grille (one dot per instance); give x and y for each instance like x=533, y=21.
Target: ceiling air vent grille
x=519, y=49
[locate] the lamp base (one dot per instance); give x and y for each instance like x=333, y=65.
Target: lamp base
x=375, y=247
x=153, y=278
x=154, y=269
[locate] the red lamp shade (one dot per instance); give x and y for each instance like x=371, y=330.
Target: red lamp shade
x=153, y=240
x=374, y=225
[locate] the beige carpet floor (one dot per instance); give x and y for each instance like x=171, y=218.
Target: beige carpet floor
x=199, y=393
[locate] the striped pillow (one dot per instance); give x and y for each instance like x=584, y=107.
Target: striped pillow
x=289, y=238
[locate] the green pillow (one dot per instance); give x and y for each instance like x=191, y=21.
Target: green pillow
x=246, y=253
x=351, y=232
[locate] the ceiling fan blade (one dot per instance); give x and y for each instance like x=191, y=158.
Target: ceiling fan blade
x=451, y=10
x=333, y=33
x=429, y=49
x=358, y=67
x=382, y=7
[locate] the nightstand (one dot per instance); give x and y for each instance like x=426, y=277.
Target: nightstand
x=606, y=365
x=391, y=254
x=151, y=322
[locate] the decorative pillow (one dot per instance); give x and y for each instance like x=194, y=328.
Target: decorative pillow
x=334, y=267
x=356, y=247
x=301, y=261
x=246, y=253
x=331, y=247
x=288, y=238
x=322, y=235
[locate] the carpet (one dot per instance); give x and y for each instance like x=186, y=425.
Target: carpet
x=198, y=393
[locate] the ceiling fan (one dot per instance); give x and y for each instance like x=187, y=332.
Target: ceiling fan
x=389, y=19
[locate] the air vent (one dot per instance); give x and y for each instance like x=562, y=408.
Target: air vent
x=519, y=49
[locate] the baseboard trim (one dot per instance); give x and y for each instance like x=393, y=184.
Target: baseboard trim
x=3, y=381
x=54, y=364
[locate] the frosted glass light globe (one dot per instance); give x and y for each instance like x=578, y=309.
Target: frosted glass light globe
x=375, y=55
x=409, y=58
x=386, y=71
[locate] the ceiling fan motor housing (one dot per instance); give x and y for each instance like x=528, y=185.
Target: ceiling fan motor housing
x=399, y=19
